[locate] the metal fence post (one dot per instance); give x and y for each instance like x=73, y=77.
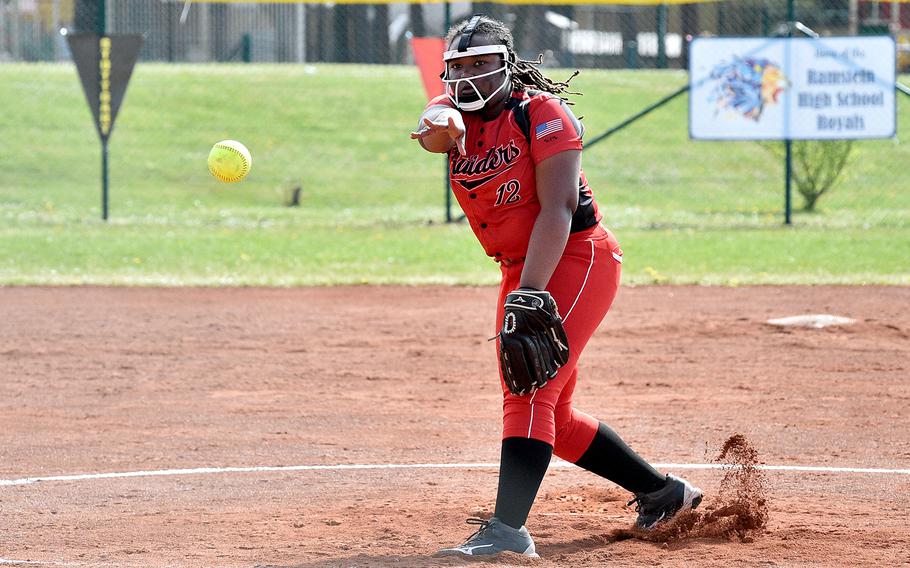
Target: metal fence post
x=3, y=9
x=55, y=25
x=203, y=14
x=788, y=144
x=301, y=32
x=632, y=54
x=662, y=36
x=171, y=31
x=16, y=44
x=853, y=17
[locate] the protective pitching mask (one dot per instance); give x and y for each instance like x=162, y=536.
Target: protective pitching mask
x=454, y=86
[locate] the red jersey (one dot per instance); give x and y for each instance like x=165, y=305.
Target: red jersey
x=495, y=182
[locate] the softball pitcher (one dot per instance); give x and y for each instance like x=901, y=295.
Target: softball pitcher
x=514, y=151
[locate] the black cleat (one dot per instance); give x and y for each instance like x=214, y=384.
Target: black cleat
x=662, y=505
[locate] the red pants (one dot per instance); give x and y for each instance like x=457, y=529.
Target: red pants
x=584, y=284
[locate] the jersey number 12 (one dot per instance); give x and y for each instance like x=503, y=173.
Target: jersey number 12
x=508, y=193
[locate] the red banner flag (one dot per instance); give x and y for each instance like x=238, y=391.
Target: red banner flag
x=428, y=56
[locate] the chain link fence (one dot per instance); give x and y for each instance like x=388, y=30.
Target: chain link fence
x=583, y=35
x=604, y=36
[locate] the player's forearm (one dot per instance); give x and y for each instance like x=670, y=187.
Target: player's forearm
x=545, y=248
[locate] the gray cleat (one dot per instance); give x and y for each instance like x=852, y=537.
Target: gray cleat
x=662, y=505
x=493, y=537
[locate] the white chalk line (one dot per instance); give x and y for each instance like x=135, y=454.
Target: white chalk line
x=347, y=467
x=11, y=562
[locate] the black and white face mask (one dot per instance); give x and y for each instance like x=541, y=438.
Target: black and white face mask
x=475, y=101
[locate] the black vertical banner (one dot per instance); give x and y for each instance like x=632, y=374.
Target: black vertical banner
x=105, y=64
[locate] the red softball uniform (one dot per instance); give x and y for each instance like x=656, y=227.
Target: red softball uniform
x=495, y=185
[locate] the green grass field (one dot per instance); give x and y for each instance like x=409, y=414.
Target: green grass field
x=372, y=204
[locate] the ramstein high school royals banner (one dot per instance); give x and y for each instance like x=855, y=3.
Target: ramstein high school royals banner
x=792, y=88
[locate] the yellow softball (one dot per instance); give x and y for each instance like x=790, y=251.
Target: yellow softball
x=230, y=161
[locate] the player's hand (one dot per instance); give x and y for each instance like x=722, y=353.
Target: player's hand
x=451, y=124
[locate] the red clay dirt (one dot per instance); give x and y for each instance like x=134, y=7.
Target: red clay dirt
x=101, y=380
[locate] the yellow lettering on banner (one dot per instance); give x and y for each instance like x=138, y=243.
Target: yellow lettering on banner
x=104, y=97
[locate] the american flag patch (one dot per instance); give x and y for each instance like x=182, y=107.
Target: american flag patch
x=548, y=127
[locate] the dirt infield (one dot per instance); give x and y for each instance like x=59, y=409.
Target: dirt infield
x=102, y=380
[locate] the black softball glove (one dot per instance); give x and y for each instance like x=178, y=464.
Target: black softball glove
x=532, y=344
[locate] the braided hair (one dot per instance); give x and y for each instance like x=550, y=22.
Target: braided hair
x=525, y=73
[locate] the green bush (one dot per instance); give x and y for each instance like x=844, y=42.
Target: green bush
x=817, y=166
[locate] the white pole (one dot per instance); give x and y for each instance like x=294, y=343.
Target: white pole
x=205, y=33
x=854, y=17
x=301, y=32
x=2, y=27
x=895, y=16
x=14, y=33
x=55, y=29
